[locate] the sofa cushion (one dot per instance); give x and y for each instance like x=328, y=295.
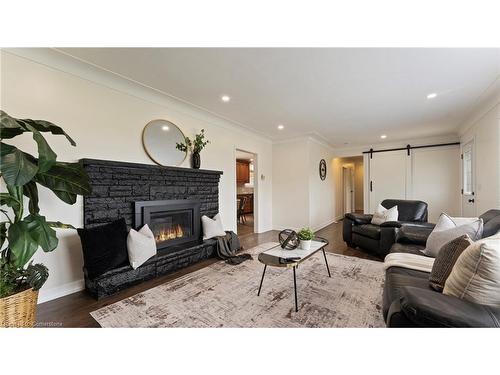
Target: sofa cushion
x=104, y=247
x=476, y=274
x=449, y=228
x=383, y=215
x=446, y=259
x=367, y=230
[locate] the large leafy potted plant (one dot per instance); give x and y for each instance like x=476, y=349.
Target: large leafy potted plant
x=23, y=233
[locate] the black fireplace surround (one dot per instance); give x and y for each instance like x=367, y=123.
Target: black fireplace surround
x=170, y=200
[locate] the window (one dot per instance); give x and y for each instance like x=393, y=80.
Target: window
x=467, y=170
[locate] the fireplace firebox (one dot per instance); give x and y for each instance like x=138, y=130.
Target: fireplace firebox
x=173, y=222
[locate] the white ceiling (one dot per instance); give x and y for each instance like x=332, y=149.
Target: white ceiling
x=340, y=94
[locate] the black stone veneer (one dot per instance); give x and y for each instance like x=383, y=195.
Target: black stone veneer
x=117, y=185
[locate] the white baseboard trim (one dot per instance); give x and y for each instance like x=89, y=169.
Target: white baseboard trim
x=324, y=225
x=60, y=291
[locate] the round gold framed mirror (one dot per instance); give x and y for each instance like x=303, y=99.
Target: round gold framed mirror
x=159, y=138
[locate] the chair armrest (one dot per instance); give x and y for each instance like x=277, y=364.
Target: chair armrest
x=359, y=219
x=428, y=308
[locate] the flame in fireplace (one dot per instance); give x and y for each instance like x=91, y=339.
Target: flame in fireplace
x=170, y=233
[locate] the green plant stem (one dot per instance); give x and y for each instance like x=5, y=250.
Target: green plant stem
x=16, y=192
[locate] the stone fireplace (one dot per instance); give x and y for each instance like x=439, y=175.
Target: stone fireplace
x=170, y=199
x=173, y=221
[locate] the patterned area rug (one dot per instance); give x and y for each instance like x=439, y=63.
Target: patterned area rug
x=222, y=295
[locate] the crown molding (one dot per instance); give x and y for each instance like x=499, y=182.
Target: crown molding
x=488, y=100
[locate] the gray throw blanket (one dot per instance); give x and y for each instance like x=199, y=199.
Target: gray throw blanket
x=227, y=246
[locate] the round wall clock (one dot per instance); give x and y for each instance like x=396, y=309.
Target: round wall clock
x=322, y=169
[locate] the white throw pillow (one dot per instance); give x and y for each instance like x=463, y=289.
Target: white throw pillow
x=448, y=228
x=382, y=215
x=141, y=246
x=475, y=277
x=212, y=227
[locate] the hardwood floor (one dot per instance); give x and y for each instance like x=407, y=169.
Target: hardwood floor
x=74, y=310
x=246, y=227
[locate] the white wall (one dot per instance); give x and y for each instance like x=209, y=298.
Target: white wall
x=484, y=129
x=290, y=184
x=105, y=115
x=321, y=194
x=300, y=197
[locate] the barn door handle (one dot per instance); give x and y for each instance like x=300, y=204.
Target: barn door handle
x=371, y=185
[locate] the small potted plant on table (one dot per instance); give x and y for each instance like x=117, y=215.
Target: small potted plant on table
x=22, y=235
x=305, y=236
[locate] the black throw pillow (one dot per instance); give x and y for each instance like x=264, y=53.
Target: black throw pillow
x=104, y=247
x=446, y=259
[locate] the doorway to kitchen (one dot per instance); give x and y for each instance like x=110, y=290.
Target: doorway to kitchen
x=245, y=192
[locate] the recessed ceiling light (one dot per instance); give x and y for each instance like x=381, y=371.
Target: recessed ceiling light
x=225, y=98
x=432, y=95
x=281, y=127
x=383, y=136
x=165, y=128
x=251, y=159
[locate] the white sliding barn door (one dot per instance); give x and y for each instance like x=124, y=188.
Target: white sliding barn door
x=436, y=179
x=388, y=177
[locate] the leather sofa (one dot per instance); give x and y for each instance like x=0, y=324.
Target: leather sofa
x=358, y=231
x=408, y=300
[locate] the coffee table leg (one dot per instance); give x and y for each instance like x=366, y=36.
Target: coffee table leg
x=295, y=289
x=327, y=267
x=262, y=279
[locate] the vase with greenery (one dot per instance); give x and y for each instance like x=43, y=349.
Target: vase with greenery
x=305, y=236
x=23, y=230
x=195, y=147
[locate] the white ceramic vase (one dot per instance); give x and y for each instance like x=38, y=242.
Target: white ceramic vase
x=305, y=245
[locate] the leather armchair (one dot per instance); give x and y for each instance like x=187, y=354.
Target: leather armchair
x=359, y=232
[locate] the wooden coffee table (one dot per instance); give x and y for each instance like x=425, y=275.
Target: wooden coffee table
x=278, y=257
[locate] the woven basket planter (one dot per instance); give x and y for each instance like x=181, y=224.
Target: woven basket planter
x=19, y=310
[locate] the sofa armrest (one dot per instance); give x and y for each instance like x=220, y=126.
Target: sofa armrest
x=359, y=219
x=415, y=224
x=414, y=234
x=428, y=308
